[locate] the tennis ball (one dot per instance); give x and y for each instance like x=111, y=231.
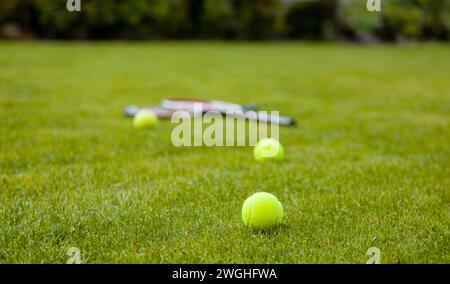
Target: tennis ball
x=262, y=210
x=268, y=149
x=145, y=119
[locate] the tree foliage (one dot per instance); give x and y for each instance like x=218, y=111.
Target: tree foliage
x=226, y=19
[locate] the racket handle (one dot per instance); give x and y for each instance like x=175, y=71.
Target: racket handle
x=262, y=116
x=268, y=118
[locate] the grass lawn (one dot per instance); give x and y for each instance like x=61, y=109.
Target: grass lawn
x=367, y=166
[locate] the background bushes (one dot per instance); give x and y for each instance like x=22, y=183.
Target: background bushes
x=226, y=19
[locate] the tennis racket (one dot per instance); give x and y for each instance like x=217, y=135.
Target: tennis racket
x=169, y=106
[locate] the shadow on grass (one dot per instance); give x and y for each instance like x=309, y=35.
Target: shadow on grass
x=270, y=232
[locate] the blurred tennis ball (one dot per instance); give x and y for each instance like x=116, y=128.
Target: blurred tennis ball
x=262, y=210
x=145, y=119
x=268, y=149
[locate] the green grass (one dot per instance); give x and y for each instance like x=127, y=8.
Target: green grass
x=367, y=165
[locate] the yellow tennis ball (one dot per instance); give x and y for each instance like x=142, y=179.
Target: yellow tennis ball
x=268, y=149
x=145, y=119
x=262, y=210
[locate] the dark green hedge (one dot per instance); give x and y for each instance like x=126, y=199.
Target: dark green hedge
x=225, y=19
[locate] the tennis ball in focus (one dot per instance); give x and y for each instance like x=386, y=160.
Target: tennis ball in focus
x=145, y=119
x=268, y=149
x=262, y=210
